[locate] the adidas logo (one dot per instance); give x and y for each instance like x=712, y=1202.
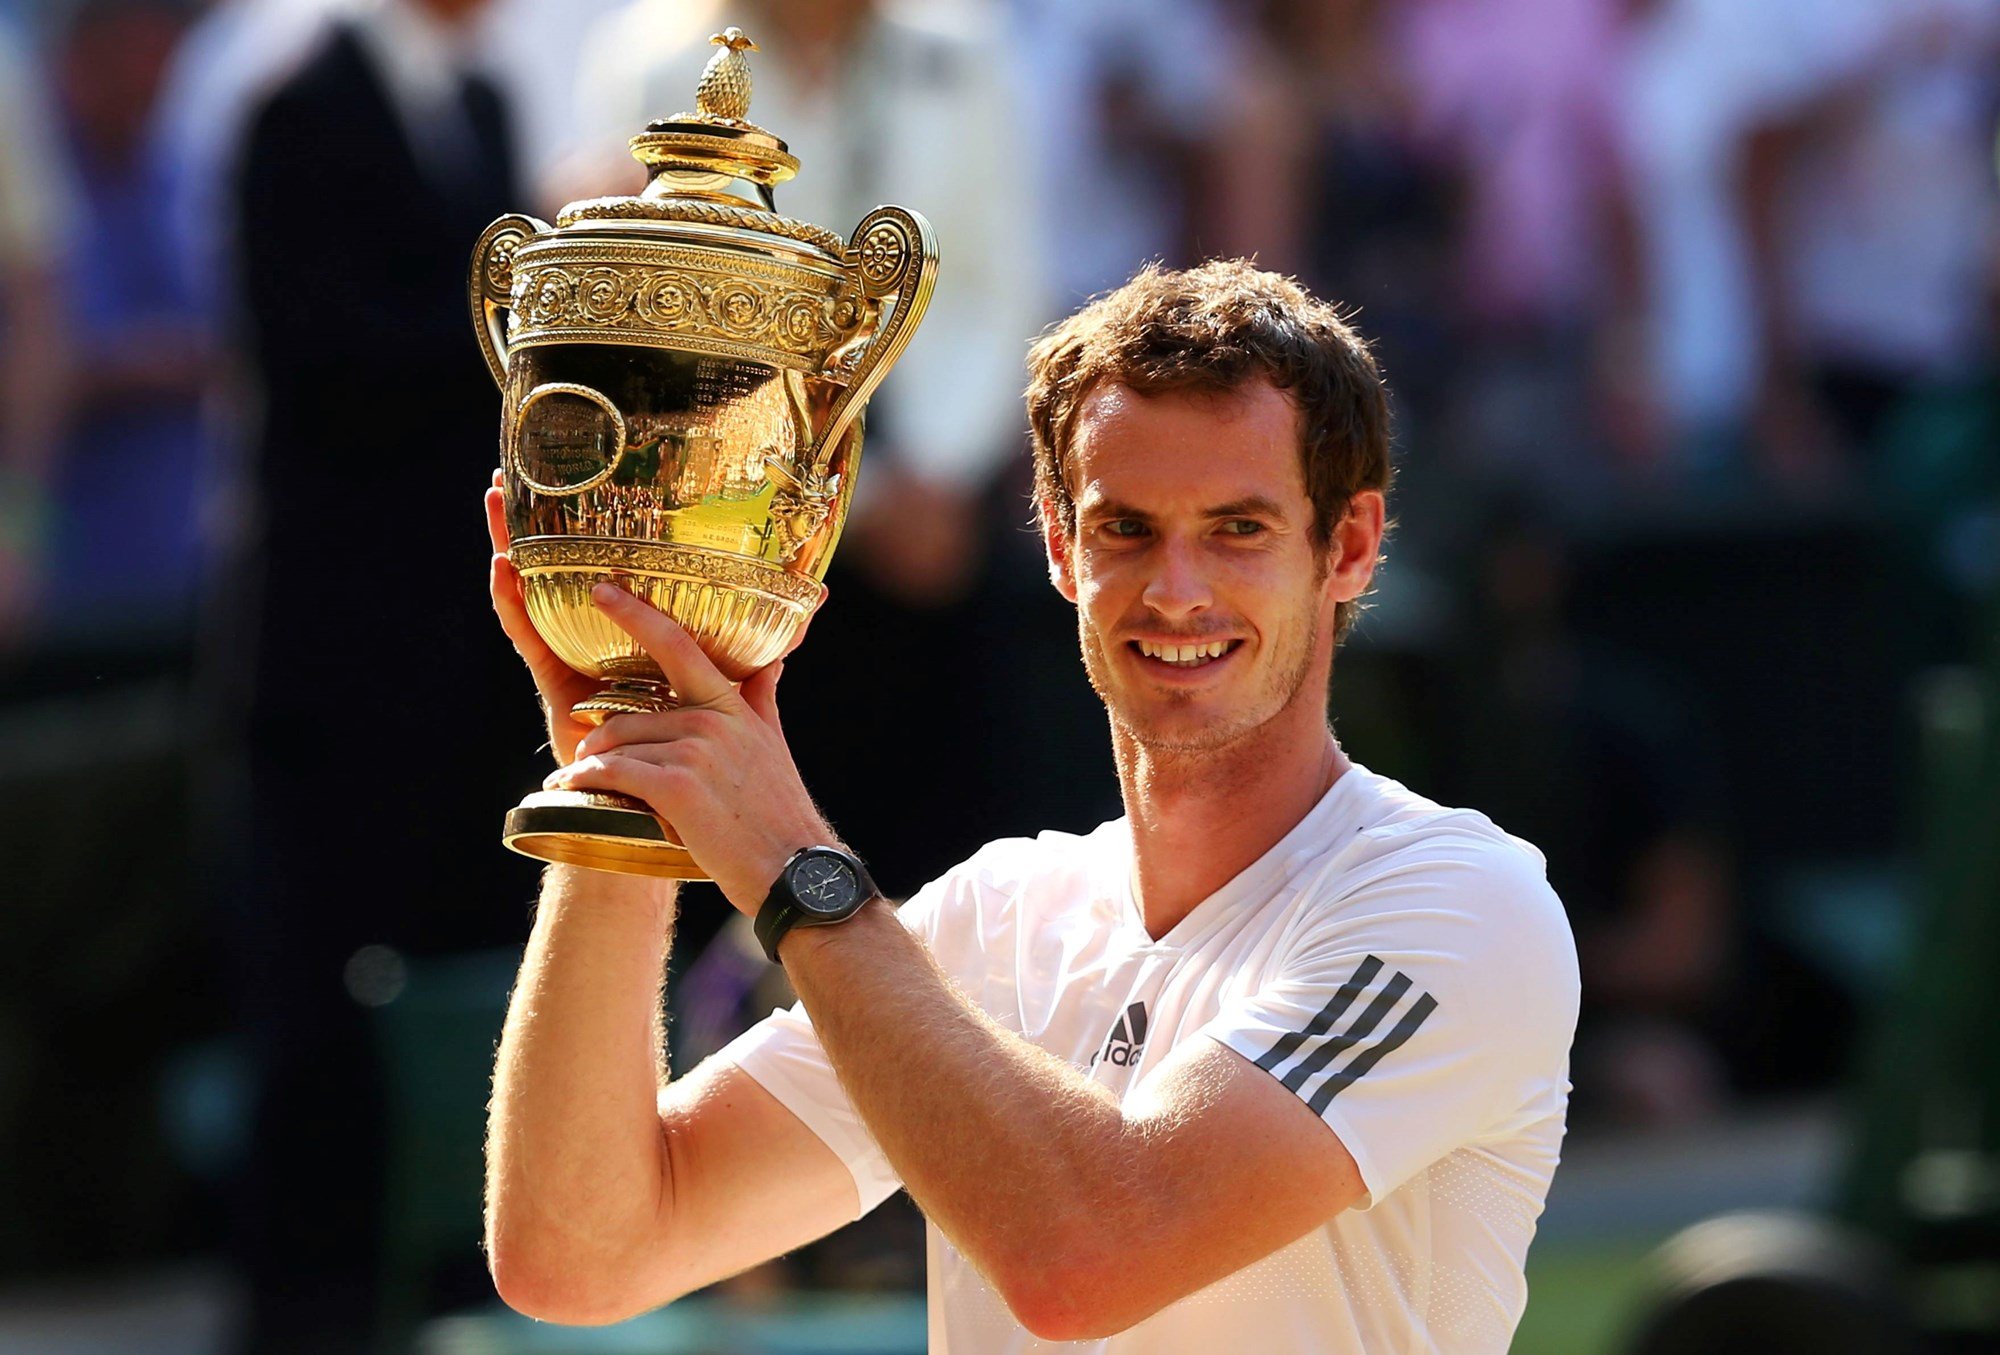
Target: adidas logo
x=1127, y=1039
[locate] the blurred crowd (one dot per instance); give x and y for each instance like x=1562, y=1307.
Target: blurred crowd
x=1689, y=311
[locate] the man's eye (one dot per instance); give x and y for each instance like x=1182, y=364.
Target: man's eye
x=1242, y=527
x=1126, y=527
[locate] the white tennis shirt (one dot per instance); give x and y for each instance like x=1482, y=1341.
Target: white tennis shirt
x=1403, y=968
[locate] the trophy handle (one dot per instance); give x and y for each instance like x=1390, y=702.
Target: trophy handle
x=491, y=284
x=896, y=255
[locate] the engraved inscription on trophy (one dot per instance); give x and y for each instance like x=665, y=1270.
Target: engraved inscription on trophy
x=567, y=439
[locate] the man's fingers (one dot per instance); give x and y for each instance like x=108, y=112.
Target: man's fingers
x=505, y=585
x=544, y=664
x=696, y=681
x=496, y=517
x=626, y=775
x=625, y=731
x=660, y=755
x=760, y=692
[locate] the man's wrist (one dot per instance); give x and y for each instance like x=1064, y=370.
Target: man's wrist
x=759, y=876
x=802, y=945
x=611, y=891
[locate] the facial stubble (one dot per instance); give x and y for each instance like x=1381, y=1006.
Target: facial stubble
x=1288, y=679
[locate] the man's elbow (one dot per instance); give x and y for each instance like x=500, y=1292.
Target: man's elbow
x=558, y=1289
x=1067, y=1300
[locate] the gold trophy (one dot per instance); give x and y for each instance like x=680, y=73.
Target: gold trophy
x=683, y=376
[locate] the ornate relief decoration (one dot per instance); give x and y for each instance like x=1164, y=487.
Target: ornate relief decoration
x=649, y=557
x=720, y=303
x=799, y=508
x=707, y=213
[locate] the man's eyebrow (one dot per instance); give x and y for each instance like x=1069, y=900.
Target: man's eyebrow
x=1112, y=508
x=1250, y=506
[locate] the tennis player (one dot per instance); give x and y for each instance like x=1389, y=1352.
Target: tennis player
x=1276, y=1062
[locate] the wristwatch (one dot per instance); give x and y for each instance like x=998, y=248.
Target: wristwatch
x=819, y=886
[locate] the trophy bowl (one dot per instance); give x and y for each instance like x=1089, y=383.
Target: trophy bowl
x=683, y=375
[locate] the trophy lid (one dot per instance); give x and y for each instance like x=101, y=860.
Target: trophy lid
x=694, y=159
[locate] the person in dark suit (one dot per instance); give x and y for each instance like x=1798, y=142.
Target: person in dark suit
x=375, y=682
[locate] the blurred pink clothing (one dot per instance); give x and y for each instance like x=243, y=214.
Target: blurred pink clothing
x=1521, y=98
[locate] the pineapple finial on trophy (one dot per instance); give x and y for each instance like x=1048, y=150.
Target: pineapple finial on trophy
x=724, y=91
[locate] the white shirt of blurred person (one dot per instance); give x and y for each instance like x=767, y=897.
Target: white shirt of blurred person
x=1884, y=256
x=1278, y=1061
x=231, y=57
x=36, y=205
x=1114, y=91
x=1522, y=95
x=240, y=49
x=881, y=103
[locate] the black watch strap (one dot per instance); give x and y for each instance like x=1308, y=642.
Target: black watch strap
x=819, y=886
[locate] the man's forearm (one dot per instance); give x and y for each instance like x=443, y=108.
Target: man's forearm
x=1014, y=1155
x=575, y=1160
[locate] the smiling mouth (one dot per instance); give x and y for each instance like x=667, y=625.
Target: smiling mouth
x=1192, y=655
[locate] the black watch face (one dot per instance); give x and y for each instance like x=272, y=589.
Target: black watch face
x=825, y=884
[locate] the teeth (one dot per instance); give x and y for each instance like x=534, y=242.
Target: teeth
x=1184, y=654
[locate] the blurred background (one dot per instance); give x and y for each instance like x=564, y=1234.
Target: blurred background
x=1689, y=309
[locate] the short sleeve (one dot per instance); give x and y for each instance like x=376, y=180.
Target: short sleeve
x=1430, y=1009
x=783, y=1054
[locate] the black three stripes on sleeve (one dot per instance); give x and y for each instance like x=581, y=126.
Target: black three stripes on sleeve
x=1313, y=1049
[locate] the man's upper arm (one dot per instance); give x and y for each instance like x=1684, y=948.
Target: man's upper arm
x=747, y=1181
x=1238, y=1165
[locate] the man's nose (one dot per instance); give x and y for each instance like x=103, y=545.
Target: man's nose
x=1178, y=586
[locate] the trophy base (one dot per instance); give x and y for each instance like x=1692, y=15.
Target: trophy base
x=598, y=831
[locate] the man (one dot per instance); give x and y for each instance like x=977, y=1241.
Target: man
x=1277, y=1062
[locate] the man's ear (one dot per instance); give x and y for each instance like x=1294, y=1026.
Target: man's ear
x=1356, y=546
x=1056, y=541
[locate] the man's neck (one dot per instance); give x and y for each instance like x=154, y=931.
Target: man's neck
x=1199, y=819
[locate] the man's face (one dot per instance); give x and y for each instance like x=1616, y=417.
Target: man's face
x=1204, y=607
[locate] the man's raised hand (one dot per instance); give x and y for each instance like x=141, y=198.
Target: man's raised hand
x=560, y=685
x=716, y=767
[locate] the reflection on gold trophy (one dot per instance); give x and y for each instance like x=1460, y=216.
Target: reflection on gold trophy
x=683, y=376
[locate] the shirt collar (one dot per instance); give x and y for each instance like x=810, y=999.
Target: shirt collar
x=1336, y=815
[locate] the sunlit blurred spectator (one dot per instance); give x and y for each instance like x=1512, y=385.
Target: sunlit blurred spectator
x=1360, y=212
x=34, y=219
x=127, y=553
x=1135, y=110
x=1872, y=210
x=1821, y=213
x=379, y=758
x=1519, y=100
x=536, y=47
x=224, y=68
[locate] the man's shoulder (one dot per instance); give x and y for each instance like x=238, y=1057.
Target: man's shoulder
x=1051, y=861
x=1050, y=883
x=1446, y=870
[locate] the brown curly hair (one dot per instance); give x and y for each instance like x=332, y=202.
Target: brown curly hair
x=1214, y=328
